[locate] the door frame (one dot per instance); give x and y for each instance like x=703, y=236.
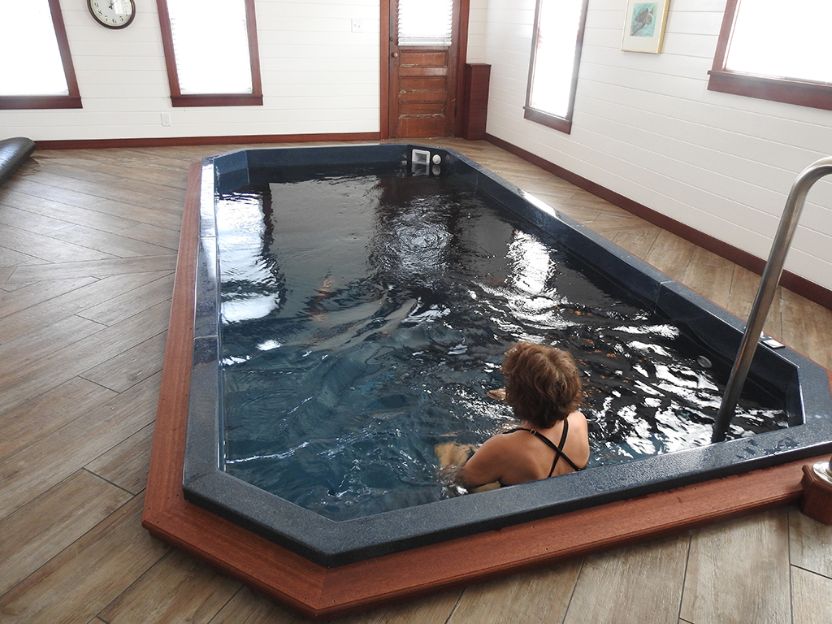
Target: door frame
x=384, y=56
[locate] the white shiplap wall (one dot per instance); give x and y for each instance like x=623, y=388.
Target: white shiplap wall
x=318, y=77
x=646, y=127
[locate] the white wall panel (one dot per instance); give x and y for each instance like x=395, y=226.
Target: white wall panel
x=646, y=126
x=318, y=77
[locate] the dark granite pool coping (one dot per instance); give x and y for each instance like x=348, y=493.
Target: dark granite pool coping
x=332, y=543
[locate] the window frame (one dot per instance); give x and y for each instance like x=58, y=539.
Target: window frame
x=774, y=88
x=71, y=99
x=563, y=124
x=178, y=99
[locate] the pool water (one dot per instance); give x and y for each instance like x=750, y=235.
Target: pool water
x=365, y=314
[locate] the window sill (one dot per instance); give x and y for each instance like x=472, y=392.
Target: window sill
x=547, y=119
x=39, y=101
x=243, y=99
x=812, y=94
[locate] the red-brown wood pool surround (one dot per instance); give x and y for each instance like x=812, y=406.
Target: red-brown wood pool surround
x=318, y=591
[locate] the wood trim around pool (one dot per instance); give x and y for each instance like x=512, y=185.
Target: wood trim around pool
x=318, y=591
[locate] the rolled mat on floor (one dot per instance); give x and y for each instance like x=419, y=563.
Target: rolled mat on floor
x=12, y=153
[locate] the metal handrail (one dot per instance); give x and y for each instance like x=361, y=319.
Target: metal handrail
x=765, y=294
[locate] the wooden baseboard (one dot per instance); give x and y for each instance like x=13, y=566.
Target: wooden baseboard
x=244, y=139
x=318, y=591
x=800, y=285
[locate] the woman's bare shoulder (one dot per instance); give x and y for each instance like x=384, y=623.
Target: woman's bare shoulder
x=579, y=434
x=495, y=444
x=577, y=418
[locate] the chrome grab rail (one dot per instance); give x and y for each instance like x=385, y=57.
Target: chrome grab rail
x=765, y=294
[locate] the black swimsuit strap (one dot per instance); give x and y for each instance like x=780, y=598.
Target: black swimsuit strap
x=559, y=452
x=557, y=448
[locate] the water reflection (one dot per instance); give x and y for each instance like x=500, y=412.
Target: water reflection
x=363, y=323
x=252, y=285
x=530, y=265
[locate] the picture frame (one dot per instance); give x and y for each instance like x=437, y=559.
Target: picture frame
x=644, y=25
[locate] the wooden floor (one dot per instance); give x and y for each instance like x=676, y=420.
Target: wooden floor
x=87, y=250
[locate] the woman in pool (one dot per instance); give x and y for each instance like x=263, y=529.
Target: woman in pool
x=543, y=387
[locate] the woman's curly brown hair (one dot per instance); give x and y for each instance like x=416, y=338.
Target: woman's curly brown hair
x=543, y=384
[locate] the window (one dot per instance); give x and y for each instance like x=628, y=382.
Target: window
x=36, y=68
x=556, y=55
x=425, y=22
x=211, y=52
x=776, y=51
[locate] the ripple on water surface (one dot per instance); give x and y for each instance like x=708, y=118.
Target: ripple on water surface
x=365, y=316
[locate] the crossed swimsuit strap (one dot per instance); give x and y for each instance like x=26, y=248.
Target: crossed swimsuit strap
x=557, y=448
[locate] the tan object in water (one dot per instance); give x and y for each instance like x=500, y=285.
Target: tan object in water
x=498, y=394
x=452, y=454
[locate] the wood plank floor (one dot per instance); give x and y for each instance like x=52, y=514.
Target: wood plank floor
x=87, y=249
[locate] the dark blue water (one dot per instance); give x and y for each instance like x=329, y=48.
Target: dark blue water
x=364, y=316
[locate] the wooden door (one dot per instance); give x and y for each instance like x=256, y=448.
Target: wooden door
x=423, y=71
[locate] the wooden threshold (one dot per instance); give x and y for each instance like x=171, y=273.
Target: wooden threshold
x=318, y=591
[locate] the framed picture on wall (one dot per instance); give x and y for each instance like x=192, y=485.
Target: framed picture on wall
x=644, y=25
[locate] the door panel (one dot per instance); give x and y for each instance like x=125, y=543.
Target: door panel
x=421, y=108
x=421, y=126
x=426, y=97
x=422, y=71
x=412, y=83
x=423, y=83
x=419, y=56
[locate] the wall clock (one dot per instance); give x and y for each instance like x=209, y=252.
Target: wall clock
x=113, y=13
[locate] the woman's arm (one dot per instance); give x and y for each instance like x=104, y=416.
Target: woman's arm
x=452, y=454
x=485, y=466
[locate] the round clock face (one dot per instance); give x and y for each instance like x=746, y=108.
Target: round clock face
x=113, y=13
